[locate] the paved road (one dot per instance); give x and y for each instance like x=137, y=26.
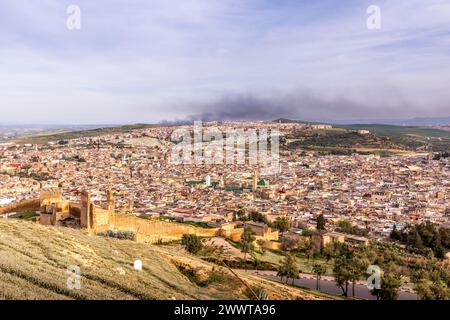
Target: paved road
x=328, y=285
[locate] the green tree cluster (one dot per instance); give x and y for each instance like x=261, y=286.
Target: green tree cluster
x=191, y=243
x=288, y=269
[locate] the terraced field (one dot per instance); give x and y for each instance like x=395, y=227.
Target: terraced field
x=34, y=261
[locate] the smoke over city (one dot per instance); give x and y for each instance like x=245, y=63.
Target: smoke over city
x=301, y=105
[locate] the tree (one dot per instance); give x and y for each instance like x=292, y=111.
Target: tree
x=344, y=225
x=390, y=285
x=191, y=243
x=432, y=282
x=429, y=290
x=26, y=168
x=314, y=246
x=321, y=221
x=307, y=232
x=257, y=217
x=240, y=213
x=319, y=270
x=288, y=269
x=425, y=236
x=289, y=243
x=282, y=224
x=343, y=268
x=359, y=263
x=415, y=240
x=261, y=243
x=281, y=272
x=395, y=234
x=342, y=271
x=247, y=239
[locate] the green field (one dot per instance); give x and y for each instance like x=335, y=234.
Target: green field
x=396, y=131
x=382, y=138
x=414, y=138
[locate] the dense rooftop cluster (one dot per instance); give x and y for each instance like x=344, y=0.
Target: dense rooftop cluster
x=374, y=193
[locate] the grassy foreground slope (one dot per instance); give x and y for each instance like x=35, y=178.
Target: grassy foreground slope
x=34, y=261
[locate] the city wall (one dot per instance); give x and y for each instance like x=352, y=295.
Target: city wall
x=150, y=231
x=98, y=219
x=22, y=206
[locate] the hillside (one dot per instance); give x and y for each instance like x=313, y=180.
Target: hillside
x=395, y=131
x=45, y=138
x=381, y=137
x=34, y=261
x=417, y=138
x=339, y=141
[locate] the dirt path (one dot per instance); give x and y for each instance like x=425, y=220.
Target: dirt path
x=229, y=249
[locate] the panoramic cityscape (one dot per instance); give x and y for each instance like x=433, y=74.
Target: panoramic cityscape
x=249, y=154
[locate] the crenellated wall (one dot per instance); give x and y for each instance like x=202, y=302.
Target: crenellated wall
x=22, y=206
x=96, y=219
x=151, y=231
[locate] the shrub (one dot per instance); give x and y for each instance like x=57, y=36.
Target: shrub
x=260, y=293
x=191, y=243
x=124, y=235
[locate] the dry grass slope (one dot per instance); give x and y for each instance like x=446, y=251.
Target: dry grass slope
x=34, y=260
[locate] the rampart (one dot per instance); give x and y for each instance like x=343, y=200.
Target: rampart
x=22, y=206
x=54, y=210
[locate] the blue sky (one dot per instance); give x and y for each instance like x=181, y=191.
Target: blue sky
x=147, y=61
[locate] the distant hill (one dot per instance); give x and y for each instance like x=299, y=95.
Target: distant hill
x=413, y=137
x=23, y=130
x=396, y=131
x=45, y=138
x=399, y=137
x=284, y=120
x=428, y=121
x=418, y=121
x=403, y=137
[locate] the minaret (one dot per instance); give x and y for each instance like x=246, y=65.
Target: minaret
x=208, y=181
x=255, y=181
x=110, y=200
x=130, y=206
x=222, y=182
x=85, y=216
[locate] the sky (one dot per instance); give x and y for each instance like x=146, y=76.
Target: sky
x=136, y=61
